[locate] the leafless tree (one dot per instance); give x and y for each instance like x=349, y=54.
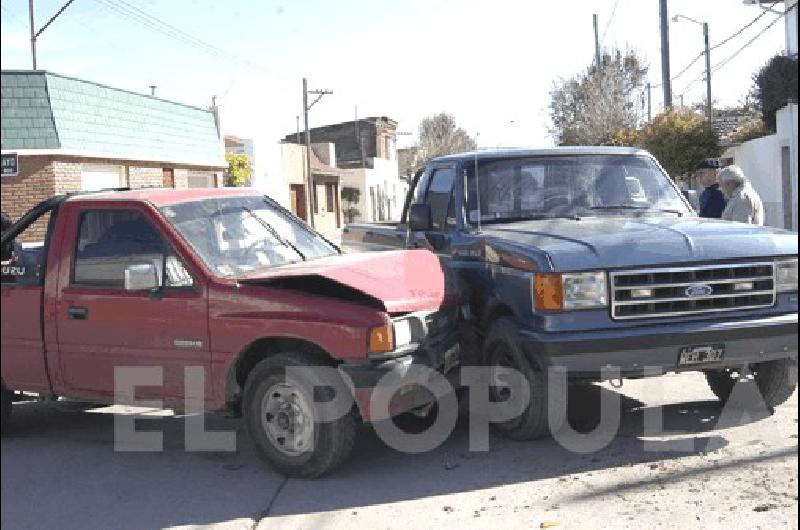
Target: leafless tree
x=599, y=105
x=439, y=135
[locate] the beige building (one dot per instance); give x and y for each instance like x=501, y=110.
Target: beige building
x=327, y=184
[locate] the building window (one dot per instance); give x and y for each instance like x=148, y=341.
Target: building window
x=100, y=176
x=330, y=196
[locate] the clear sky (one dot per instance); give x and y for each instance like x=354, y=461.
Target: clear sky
x=490, y=63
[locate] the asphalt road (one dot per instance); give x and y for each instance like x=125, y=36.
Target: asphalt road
x=59, y=470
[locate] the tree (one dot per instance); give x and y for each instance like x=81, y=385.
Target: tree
x=351, y=196
x=239, y=170
x=774, y=85
x=679, y=139
x=439, y=135
x=749, y=131
x=601, y=105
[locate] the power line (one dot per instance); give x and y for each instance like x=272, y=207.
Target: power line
x=610, y=18
x=721, y=43
x=748, y=43
x=725, y=61
x=132, y=12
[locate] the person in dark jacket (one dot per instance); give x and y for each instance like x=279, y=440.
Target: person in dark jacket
x=712, y=200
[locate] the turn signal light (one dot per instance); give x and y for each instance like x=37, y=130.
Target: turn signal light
x=548, y=292
x=381, y=339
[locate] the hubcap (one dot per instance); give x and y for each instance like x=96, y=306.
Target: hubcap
x=287, y=419
x=500, y=388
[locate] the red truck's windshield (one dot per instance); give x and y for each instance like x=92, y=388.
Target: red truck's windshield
x=242, y=235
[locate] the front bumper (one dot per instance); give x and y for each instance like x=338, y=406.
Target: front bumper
x=371, y=378
x=646, y=350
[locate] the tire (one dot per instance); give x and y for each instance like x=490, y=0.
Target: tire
x=7, y=409
x=275, y=404
x=502, y=347
x=776, y=381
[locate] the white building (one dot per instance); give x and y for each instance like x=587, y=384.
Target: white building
x=771, y=164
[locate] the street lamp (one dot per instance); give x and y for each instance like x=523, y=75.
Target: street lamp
x=709, y=111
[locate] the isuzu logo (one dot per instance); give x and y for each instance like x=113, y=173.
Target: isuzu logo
x=699, y=289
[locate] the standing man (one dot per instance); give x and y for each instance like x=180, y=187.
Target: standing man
x=712, y=200
x=744, y=203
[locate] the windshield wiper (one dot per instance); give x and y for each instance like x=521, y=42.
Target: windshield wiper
x=274, y=233
x=532, y=217
x=636, y=208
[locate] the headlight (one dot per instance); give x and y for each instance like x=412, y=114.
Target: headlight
x=786, y=275
x=381, y=339
x=580, y=290
x=402, y=333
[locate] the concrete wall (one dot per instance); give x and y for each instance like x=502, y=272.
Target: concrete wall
x=386, y=186
x=761, y=160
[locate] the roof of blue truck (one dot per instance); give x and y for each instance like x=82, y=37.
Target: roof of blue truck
x=549, y=151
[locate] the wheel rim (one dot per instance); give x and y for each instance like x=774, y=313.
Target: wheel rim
x=287, y=419
x=499, y=388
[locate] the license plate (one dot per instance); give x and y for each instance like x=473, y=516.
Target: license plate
x=709, y=353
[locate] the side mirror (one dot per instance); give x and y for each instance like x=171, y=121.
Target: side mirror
x=141, y=277
x=419, y=217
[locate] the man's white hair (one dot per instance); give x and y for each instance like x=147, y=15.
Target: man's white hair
x=731, y=174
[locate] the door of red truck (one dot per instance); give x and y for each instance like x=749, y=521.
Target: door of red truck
x=23, y=275
x=109, y=317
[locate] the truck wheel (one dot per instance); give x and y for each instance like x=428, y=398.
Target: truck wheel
x=776, y=380
x=7, y=408
x=283, y=420
x=502, y=348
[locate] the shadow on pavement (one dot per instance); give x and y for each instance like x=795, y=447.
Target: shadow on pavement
x=60, y=468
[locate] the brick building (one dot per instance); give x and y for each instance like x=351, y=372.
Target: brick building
x=71, y=135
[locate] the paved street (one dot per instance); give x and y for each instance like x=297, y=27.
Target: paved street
x=59, y=470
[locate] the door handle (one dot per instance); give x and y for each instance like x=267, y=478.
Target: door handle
x=78, y=313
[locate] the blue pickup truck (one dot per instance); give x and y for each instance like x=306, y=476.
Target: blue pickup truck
x=590, y=258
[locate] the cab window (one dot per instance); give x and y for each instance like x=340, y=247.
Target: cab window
x=23, y=257
x=440, y=198
x=110, y=241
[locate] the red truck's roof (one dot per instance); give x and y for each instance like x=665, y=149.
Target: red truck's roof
x=165, y=196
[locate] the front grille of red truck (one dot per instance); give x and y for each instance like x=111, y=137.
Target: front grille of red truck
x=654, y=293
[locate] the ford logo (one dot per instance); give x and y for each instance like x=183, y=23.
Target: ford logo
x=698, y=290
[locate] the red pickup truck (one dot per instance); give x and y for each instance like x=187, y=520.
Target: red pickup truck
x=226, y=280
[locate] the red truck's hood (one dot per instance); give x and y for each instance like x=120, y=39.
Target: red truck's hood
x=403, y=280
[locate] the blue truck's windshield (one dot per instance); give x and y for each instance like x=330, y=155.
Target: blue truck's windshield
x=242, y=235
x=541, y=187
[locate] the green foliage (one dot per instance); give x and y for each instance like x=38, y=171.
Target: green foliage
x=775, y=84
x=239, y=170
x=628, y=137
x=351, y=196
x=679, y=139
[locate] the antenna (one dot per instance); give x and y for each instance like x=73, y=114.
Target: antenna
x=477, y=182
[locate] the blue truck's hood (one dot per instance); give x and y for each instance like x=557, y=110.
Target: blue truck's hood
x=619, y=242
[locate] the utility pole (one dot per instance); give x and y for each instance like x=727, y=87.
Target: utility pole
x=596, y=42
x=310, y=195
x=35, y=34
x=649, y=102
x=665, y=74
x=709, y=109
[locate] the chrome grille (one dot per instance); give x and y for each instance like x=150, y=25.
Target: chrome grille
x=652, y=293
